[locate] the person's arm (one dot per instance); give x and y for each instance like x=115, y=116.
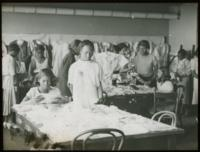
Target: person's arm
x=193, y=71
x=122, y=64
x=70, y=81
x=194, y=74
x=26, y=98
x=140, y=80
x=100, y=91
x=70, y=87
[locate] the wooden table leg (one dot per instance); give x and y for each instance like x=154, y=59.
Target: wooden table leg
x=171, y=142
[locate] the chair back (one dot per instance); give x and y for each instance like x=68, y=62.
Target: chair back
x=109, y=131
x=163, y=114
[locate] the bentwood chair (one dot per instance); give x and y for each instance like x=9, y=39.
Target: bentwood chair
x=165, y=114
x=175, y=96
x=109, y=131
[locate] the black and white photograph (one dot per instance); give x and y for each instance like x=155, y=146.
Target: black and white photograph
x=100, y=76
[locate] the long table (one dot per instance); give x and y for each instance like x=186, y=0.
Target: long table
x=137, y=129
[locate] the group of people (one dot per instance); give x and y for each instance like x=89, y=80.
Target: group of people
x=80, y=77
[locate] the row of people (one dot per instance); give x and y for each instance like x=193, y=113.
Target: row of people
x=82, y=77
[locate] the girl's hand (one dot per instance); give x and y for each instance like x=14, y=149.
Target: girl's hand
x=70, y=99
x=39, y=98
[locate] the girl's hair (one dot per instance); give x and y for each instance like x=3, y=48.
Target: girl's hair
x=88, y=43
x=182, y=52
x=144, y=43
x=13, y=47
x=74, y=46
x=39, y=48
x=45, y=72
x=119, y=47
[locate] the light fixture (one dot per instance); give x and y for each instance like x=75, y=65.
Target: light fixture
x=83, y=12
x=24, y=9
x=42, y=10
x=65, y=11
x=102, y=13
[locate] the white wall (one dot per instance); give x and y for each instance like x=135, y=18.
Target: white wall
x=184, y=30
x=19, y=23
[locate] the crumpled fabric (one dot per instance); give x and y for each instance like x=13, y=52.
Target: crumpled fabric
x=63, y=123
x=127, y=90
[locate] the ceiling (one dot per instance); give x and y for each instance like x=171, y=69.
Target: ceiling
x=137, y=7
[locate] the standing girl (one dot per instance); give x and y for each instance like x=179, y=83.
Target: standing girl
x=85, y=77
x=194, y=67
x=9, y=82
x=183, y=72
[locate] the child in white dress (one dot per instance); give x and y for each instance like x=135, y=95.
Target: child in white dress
x=194, y=68
x=9, y=82
x=183, y=72
x=43, y=89
x=85, y=77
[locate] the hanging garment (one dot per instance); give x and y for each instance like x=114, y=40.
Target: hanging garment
x=59, y=51
x=20, y=67
x=110, y=62
x=161, y=53
x=4, y=49
x=24, y=54
x=8, y=72
x=96, y=47
x=40, y=66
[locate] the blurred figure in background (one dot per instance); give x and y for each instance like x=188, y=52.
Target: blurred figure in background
x=68, y=60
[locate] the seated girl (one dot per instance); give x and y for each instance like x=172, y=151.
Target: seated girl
x=43, y=89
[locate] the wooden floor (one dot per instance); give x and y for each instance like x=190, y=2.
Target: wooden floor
x=187, y=141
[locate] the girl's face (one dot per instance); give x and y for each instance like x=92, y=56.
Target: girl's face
x=13, y=53
x=39, y=54
x=45, y=82
x=180, y=56
x=86, y=53
x=143, y=50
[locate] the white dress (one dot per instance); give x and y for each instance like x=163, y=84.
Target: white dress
x=85, y=76
x=9, y=97
x=33, y=92
x=194, y=66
